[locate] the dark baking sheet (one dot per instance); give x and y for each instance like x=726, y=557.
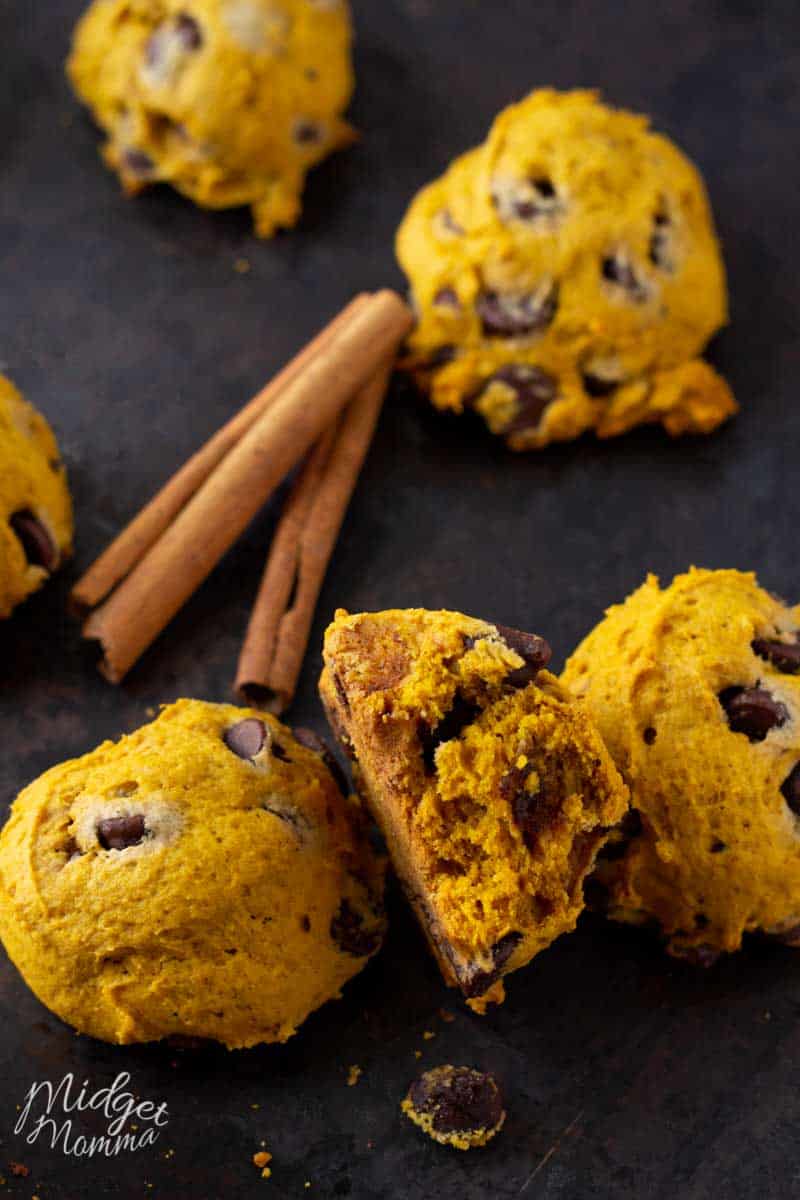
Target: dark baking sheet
x=626, y=1073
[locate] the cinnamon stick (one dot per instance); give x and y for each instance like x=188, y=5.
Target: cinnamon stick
x=174, y=567
x=147, y=527
x=279, y=628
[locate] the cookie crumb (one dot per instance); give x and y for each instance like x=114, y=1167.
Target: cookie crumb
x=446, y=1015
x=353, y=1075
x=19, y=1169
x=429, y=1035
x=241, y=266
x=262, y=1158
x=417, y=1054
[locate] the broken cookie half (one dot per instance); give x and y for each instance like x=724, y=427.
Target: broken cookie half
x=493, y=789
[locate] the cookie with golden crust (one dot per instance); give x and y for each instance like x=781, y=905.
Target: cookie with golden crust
x=229, y=101
x=695, y=689
x=492, y=788
x=566, y=276
x=35, y=504
x=203, y=877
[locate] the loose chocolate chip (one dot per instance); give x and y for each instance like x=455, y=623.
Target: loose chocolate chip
x=790, y=790
x=534, y=650
x=247, y=738
x=462, y=713
x=534, y=389
x=138, y=163
x=347, y=930
x=36, y=541
x=447, y=297
x=458, y=1100
x=117, y=833
x=311, y=741
x=783, y=655
x=475, y=982
x=752, y=711
x=507, y=316
x=618, y=270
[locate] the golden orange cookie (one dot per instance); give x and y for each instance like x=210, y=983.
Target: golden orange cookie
x=695, y=689
x=566, y=276
x=202, y=877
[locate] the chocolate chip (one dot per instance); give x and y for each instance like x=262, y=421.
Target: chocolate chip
x=660, y=249
x=717, y=846
x=347, y=930
x=752, y=711
x=462, y=713
x=618, y=270
x=117, y=833
x=307, y=133
x=247, y=738
x=311, y=741
x=506, y=316
x=188, y=31
x=790, y=790
x=474, y=982
x=597, y=387
x=534, y=389
x=458, y=1100
x=447, y=297
x=138, y=163
x=649, y=735
x=785, y=656
x=279, y=752
x=532, y=812
x=534, y=650
x=526, y=200
x=36, y=541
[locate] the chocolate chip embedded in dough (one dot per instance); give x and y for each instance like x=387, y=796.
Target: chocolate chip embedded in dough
x=785, y=656
x=349, y=933
x=462, y=712
x=533, y=649
x=790, y=789
x=534, y=391
x=447, y=297
x=247, y=738
x=475, y=981
x=36, y=541
x=458, y=1101
x=118, y=833
x=510, y=316
x=138, y=163
x=752, y=711
x=618, y=270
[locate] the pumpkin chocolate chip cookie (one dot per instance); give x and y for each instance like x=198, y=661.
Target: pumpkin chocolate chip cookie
x=229, y=101
x=35, y=506
x=491, y=786
x=203, y=877
x=695, y=689
x=566, y=276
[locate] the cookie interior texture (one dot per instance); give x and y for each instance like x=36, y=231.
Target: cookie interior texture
x=203, y=877
x=229, y=101
x=695, y=689
x=456, y=1106
x=35, y=504
x=492, y=788
x=566, y=276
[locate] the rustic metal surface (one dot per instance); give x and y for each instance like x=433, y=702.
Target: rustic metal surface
x=626, y=1073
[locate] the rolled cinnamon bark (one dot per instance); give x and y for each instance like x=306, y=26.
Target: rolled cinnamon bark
x=277, y=635
x=147, y=527
x=224, y=505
